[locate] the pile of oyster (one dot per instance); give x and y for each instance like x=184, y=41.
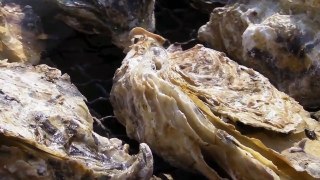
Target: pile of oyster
x=46, y=129
x=197, y=108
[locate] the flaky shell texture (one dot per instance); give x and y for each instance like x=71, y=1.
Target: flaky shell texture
x=46, y=131
x=280, y=39
x=197, y=106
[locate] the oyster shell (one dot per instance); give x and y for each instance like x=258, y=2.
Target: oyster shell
x=20, y=31
x=280, y=39
x=20, y=24
x=113, y=18
x=197, y=105
x=46, y=130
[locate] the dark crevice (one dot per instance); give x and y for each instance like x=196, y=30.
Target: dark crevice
x=222, y=173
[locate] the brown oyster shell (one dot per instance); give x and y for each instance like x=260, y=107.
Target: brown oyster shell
x=280, y=39
x=197, y=105
x=46, y=131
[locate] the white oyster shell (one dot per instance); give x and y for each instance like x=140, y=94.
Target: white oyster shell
x=197, y=105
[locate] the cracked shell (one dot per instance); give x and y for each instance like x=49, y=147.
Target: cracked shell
x=196, y=106
x=47, y=130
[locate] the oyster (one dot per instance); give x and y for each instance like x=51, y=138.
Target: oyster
x=46, y=131
x=112, y=18
x=197, y=106
x=20, y=31
x=280, y=39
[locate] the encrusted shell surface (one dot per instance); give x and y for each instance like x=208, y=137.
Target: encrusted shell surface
x=196, y=105
x=280, y=39
x=46, y=131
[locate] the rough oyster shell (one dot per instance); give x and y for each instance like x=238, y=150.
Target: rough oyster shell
x=280, y=39
x=46, y=130
x=197, y=105
x=20, y=29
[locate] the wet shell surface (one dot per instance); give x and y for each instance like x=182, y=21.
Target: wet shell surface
x=196, y=106
x=46, y=131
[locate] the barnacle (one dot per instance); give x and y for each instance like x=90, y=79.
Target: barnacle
x=279, y=39
x=46, y=131
x=197, y=106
